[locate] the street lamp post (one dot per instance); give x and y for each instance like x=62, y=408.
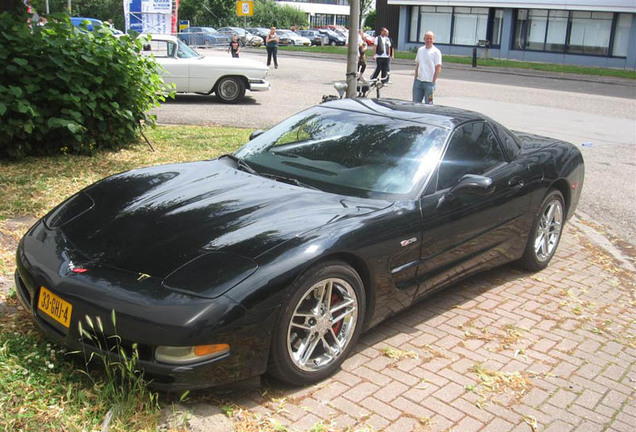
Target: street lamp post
x=352, y=53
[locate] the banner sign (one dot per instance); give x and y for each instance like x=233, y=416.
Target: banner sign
x=150, y=16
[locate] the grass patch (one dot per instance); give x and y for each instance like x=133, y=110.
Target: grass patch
x=491, y=62
x=34, y=185
x=41, y=389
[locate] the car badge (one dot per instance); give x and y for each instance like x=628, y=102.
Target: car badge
x=408, y=242
x=74, y=269
x=142, y=276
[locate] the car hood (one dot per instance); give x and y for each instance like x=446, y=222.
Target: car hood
x=157, y=219
x=231, y=63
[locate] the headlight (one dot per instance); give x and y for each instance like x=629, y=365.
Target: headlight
x=69, y=210
x=190, y=354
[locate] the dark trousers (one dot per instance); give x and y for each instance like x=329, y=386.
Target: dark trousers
x=271, y=52
x=382, y=65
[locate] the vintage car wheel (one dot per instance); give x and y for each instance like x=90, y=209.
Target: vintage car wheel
x=230, y=89
x=319, y=325
x=545, y=234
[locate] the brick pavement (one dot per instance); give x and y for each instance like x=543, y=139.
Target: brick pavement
x=502, y=351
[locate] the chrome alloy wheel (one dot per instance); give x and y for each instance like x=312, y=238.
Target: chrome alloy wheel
x=322, y=324
x=548, y=230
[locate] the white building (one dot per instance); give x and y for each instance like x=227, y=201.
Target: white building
x=321, y=13
x=583, y=32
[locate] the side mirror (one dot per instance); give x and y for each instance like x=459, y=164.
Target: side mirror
x=256, y=133
x=472, y=184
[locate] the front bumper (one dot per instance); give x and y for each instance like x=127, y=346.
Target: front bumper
x=259, y=85
x=146, y=315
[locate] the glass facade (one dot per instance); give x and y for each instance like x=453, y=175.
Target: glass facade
x=572, y=32
x=456, y=25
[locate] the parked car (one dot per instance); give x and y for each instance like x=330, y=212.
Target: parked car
x=92, y=24
x=315, y=37
x=244, y=37
x=334, y=38
x=203, y=37
x=295, y=38
x=284, y=39
x=340, y=30
x=258, y=31
x=190, y=72
x=277, y=257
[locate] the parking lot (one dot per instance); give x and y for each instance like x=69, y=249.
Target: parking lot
x=505, y=350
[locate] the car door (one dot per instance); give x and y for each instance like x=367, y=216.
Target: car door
x=467, y=227
x=176, y=69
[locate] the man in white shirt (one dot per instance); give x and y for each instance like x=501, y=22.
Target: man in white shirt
x=428, y=65
x=382, y=53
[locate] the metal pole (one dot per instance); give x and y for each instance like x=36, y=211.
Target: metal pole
x=47, y=7
x=352, y=53
x=68, y=6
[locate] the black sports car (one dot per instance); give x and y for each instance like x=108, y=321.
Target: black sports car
x=277, y=257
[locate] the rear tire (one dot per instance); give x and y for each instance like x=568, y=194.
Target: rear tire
x=546, y=233
x=230, y=90
x=319, y=324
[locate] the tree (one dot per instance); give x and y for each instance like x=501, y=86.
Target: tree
x=209, y=13
x=365, y=9
x=268, y=13
x=64, y=90
x=369, y=22
x=100, y=9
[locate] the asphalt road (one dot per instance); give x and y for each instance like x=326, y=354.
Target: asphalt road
x=598, y=115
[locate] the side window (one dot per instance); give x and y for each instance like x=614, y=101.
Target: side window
x=473, y=149
x=156, y=48
x=509, y=142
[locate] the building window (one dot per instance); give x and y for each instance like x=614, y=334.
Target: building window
x=456, y=25
x=621, y=35
x=590, y=33
x=571, y=32
x=415, y=13
x=497, y=28
x=557, y=31
x=342, y=20
x=470, y=25
x=438, y=20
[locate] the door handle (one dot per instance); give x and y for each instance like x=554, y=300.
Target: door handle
x=516, y=183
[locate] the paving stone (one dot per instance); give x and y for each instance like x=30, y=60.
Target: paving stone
x=361, y=391
x=385, y=410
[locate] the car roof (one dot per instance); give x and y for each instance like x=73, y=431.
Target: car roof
x=434, y=115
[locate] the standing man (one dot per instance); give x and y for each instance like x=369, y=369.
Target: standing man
x=382, y=53
x=428, y=65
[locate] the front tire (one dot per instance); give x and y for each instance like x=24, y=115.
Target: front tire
x=230, y=90
x=319, y=324
x=545, y=234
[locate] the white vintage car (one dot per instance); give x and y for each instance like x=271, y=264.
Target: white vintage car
x=191, y=72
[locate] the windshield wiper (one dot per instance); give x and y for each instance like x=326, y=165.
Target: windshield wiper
x=289, y=180
x=240, y=163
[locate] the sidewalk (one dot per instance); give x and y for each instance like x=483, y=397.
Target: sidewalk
x=502, y=351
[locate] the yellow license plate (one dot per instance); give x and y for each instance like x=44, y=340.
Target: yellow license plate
x=55, y=307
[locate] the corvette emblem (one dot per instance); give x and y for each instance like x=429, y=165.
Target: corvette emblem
x=408, y=242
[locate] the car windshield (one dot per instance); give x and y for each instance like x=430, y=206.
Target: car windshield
x=349, y=153
x=185, y=51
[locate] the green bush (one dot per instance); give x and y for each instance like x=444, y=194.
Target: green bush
x=63, y=90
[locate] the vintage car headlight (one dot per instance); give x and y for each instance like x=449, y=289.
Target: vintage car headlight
x=190, y=354
x=70, y=209
x=210, y=275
